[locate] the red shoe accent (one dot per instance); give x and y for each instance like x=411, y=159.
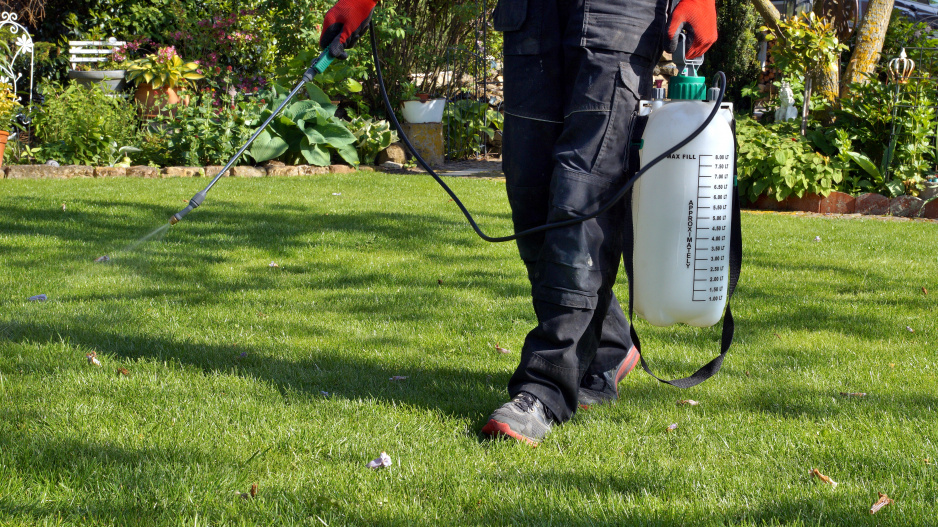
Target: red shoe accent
x=494, y=428
x=631, y=359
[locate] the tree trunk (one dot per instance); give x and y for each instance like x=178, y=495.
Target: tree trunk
x=769, y=14
x=870, y=37
x=827, y=78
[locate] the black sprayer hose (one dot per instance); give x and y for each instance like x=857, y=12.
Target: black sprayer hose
x=497, y=239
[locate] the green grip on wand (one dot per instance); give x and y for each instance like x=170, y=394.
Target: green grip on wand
x=323, y=62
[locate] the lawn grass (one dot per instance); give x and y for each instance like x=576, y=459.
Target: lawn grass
x=241, y=373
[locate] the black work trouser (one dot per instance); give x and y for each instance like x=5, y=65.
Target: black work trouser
x=574, y=72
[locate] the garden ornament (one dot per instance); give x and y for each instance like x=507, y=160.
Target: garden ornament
x=786, y=110
x=901, y=68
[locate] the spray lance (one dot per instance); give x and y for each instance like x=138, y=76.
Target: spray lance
x=318, y=66
x=704, y=114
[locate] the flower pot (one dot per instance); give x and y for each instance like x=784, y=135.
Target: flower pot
x=113, y=79
x=417, y=112
x=152, y=100
x=930, y=191
x=4, y=135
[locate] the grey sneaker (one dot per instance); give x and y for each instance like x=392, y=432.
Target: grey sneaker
x=604, y=388
x=523, y=418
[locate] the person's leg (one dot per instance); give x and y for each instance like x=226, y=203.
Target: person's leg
x=571, y=269
x=608, y=56
x=615, y=358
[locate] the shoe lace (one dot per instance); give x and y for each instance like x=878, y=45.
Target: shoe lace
x=525, y=402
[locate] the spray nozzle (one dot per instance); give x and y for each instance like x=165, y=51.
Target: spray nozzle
x=193, y=203
x=685, y=66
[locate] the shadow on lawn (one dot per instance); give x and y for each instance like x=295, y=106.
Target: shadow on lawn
x=179, y=270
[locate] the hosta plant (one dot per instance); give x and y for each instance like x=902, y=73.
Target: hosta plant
x=163, y=69
x=306, y=130
x=373, y=137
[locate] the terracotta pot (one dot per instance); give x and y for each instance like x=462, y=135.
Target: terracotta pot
x=4, y=135
x=152, y=100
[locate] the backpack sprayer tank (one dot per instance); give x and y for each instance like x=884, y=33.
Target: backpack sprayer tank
x=681, y=207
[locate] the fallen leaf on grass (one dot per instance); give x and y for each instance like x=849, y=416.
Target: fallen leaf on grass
x=93, y=358
x=102, y=259
x=399, y=378
x=892, y=364
x=123, y=371
x=777, y=335
x=924, y=290
x=853, y=394
x=272, y=264
x=816, y=473
x=439, y=281
x=687, y=402
x=882, y=502
x=38, y=298
x=254, y=490
x=501, y=349
x=384, y=460
x=672, y=427
x=928, y=461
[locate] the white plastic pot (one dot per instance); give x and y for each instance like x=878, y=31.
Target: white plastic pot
x=417, y=112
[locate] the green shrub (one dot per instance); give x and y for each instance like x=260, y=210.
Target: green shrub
x=203, y=132
x=468, y=124
x=735, y=53
x=778, y=161
x=81, y=125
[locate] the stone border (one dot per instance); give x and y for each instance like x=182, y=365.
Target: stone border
x=864, y=204
x=82, y=171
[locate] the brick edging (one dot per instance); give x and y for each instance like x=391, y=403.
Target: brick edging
x=84, y=171
x=864, y=204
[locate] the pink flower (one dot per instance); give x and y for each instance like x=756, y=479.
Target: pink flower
x=165, y=54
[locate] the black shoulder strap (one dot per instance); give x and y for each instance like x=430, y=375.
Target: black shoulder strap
x=735, y=262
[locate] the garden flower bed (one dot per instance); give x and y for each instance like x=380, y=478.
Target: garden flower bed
x=82, y=171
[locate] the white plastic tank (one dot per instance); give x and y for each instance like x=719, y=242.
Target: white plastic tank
x=681, y=212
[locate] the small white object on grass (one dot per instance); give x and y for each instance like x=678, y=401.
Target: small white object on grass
x=399, y=378
x=817, y=238
x=38, y=298
x=272, y=264
x=384, y=460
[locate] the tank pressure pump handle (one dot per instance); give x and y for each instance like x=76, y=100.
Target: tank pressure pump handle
x=685, y=66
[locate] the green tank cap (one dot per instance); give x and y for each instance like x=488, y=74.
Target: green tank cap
x=687, y=88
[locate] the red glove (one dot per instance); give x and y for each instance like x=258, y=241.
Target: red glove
x=344, y=23
x=701, y=18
